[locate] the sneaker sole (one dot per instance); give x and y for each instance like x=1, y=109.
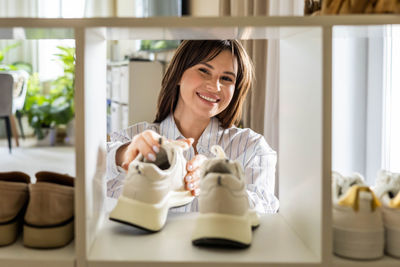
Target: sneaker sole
x=392, y=241
x=224, y=230
x=361, y=245
x=8, y=233
x=149, y=217
x=48, y=237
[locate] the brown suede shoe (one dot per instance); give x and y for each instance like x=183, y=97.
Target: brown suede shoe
x=13, y=200
x=49, y=218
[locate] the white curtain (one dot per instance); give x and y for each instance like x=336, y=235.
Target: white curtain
x=264, y=97
x=29, y=51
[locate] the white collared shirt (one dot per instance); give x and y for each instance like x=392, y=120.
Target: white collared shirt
x=244, y=145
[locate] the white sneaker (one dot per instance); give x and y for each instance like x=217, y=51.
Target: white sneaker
x=358, y=231
x=225, y=218
x=387, y=190
x=151, y=188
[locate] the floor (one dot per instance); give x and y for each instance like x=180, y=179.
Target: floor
x=30, y=158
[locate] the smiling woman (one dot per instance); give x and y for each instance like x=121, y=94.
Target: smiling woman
x=200, y=101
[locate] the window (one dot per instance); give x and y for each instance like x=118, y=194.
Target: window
x=47, y=67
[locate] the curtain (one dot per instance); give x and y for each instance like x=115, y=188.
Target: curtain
x=28, y=51
x=255, y=105
x=261, y=109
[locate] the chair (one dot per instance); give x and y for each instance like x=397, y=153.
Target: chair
x=13, y=87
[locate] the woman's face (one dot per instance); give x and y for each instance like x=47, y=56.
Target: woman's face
x=206, y=89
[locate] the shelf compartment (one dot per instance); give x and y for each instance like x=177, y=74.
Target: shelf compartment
x=274, y=242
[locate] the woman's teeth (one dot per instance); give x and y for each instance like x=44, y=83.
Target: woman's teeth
x=208, y=98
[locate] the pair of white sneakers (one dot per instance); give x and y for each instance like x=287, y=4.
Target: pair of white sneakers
x=152, y=188
x=366, y=222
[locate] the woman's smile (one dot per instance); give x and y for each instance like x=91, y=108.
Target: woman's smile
x=209, y=99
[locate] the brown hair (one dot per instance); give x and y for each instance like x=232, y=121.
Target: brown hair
x=192, y=52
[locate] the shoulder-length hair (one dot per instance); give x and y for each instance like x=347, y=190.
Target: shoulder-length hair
x=193, y=52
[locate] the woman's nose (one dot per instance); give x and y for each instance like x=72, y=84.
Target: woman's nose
x=213, y=85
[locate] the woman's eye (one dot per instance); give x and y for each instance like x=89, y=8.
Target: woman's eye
x=226, y=78
x=203, y=70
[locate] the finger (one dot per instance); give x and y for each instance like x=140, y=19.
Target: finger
x=152, y=139
x=146, y=150
x=192, y=176
x=189, y=141
x=195, y=192
x=193, y=184
x=195, y=162
x=130, y=154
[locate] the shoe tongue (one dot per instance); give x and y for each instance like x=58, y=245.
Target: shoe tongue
x=355, y=194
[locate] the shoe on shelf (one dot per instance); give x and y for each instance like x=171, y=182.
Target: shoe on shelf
x=225, y=218
x=14, y=197
x=151, y=188
x=49, y=217
x=358, y=231
x=387, y=189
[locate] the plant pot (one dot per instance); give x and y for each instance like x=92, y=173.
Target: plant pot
x=49, y=137
x=70, y=138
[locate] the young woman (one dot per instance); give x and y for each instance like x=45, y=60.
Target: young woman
x=200, y=102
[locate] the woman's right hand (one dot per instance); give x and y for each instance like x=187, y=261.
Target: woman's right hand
x=147, y=143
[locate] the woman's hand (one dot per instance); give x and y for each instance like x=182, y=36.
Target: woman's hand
x=192, y=178
x=147, y=143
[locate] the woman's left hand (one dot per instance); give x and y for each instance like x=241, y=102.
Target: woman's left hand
x=192, y=178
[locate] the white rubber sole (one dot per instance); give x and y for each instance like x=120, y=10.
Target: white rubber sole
x=48, y=237
x=392, y=236
x=150, y=217
x=8, y=233
x=360, y=245
x=224, y=229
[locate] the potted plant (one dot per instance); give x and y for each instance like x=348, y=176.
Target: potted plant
x=47, y=111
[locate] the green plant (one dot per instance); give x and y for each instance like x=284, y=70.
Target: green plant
x=57, y=107
x=18, y=65
x=158, y=45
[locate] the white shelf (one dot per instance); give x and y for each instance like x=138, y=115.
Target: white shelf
x=386, y=261
x=274, y=242
x=16, y=255
x=293, y=237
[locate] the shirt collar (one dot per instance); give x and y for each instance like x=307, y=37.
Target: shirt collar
x=169, y=129
x=208, y=138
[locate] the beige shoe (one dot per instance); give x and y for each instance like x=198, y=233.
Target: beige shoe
x=49, y=218
x=152, y=188
x=225, y=217
x=13, y=200
x=387, y=190
x=357, y=223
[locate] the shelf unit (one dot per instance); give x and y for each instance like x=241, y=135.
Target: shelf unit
x=300, y=235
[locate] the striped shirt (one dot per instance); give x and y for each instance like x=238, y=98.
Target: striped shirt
x=243, y=145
